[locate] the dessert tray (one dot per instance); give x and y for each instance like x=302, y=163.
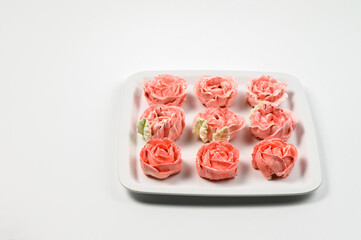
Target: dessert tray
x=304, y=178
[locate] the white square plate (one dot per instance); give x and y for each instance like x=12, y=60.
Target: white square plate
x=304, y=178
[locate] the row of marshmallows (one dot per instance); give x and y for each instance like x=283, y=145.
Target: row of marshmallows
x=164, y=121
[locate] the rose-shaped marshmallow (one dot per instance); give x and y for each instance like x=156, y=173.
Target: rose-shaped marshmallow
x=165, y=89
x=215, y=91
x=217, y=124
x=160, y=121
x=217, y=160
x=266, y=89
x=274, y=157
x=268, y=122
x=160, y=158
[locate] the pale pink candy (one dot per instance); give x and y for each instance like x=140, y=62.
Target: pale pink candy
x=214, y=91
x=274, y=157
x=217, y=160
x=160, y=121
x=165, y=89
x=268, y=121
x=160, y=158
x=266, y=89
x=217, y=124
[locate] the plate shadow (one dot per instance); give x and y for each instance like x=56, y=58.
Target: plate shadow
x=199, y=201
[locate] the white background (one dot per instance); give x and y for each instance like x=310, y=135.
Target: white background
x=62, y=64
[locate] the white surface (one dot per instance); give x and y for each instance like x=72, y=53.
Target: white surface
x=304, y=178
x=61, y=68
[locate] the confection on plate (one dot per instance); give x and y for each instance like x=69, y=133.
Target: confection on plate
x=160, y=121
x=274, y=157
x=268, y=121
x=266, y=89
x=160, y=158
x=215, y=91
x=217, y=160
x=165, y=89
x=217, y=124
